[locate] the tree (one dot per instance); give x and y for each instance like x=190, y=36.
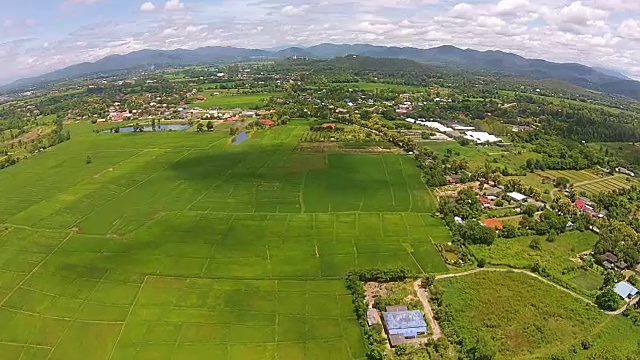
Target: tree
x=608, y=300
x=508, y=231
x=88, y=160
x=153, y=124
x=209, y=125
x=552, y=236
x=562, y=182
x=530, y=210
x=428, y=280
x=535, y=244
x=200, y=127
x=472, y=232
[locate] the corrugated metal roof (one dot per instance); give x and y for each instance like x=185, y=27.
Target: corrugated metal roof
x=625, y=290
x=404, y=320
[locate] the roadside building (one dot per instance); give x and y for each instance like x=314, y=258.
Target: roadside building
x=267, y=122
x=401, y=324
x=492, y=223
x=328, y=126
x=625, y=290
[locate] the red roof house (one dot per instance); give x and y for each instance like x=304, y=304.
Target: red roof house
x=492, y=223
x=267, y=122
x=579, y=204
x=484, y=201
x=328, y=126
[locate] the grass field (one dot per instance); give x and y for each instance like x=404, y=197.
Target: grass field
x=173, y=245
x=558, y=257
x=477, y=156
x=229, y=100
x=521, y=316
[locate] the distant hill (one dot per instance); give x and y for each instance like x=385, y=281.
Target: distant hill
x=603, y=80
x=611, y=72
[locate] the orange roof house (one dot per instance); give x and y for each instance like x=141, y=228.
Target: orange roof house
x=200, y=98
x=328, y=126
x=492, y=223
x=267, y=122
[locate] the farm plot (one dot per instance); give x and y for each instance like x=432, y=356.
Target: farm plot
x=575, y=176
x=608, y=184
x=517, y=314
x=241, y=249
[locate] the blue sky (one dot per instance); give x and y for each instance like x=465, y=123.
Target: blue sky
x=38, y=36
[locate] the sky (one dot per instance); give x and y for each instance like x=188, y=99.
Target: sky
x=39, y=36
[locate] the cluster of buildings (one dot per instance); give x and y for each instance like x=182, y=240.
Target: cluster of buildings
x=585, y=206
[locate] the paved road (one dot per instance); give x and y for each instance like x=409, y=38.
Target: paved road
x=577, y=296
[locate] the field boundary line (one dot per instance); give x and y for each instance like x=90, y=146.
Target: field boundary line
x=386, y=173
x=75, y=318
x=406, y=182
x=62, y=318
x=35, y=269
x=124, y=324
x=301, y=196
x=25, y=345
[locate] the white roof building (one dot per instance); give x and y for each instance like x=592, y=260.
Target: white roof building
x=434, y=125
x=517, y=196
x=481, y=137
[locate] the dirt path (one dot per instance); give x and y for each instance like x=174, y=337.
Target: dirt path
x=433, y=324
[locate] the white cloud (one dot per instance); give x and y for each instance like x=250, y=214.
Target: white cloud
x=630, y=29
x=291, y=10
x=174, y=5
x=512, y=7
x=579, y=14
x=148, y=6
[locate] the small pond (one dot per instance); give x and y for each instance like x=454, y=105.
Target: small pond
x=242, y=136
x=169, y=127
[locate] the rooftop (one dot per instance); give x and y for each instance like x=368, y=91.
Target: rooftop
x=404, y=321
x=625, y=289
x=492, y=223
x=517, y=196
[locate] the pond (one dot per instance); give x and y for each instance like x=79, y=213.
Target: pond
x=242, y=136
x=169, y=127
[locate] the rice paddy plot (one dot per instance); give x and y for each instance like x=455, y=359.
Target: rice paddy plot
x=244, y=247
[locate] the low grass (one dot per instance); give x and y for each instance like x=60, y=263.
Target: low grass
x=558, y=257
x=521, y=316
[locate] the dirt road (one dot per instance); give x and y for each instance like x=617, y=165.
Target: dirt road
x=433, y=324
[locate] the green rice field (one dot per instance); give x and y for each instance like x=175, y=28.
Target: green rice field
x=229, y=100
x=180, y=245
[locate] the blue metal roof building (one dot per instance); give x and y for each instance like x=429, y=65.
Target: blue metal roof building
x=405, y=323
x=625, y=290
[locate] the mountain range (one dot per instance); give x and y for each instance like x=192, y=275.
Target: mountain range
x=597, y=79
